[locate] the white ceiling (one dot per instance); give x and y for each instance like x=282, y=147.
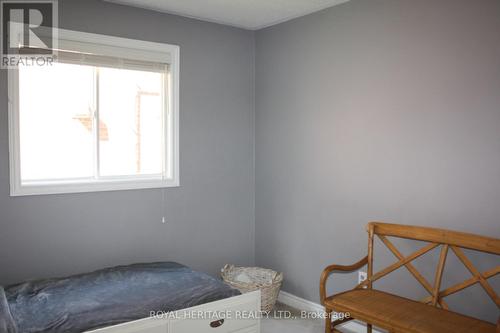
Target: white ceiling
x=248, y=14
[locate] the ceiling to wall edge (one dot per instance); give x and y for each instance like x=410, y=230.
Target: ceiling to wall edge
x=283, y=20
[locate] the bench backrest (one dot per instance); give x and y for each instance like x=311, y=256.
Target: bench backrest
x=446, y=239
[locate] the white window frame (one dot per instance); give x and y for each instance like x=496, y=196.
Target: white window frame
x=135, y=49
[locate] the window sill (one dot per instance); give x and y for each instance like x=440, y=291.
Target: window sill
x=90, y=186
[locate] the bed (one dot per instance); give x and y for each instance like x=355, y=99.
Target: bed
x=141, y=298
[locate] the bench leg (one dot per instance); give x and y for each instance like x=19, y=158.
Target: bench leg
x=368, y=328
x=328, y=321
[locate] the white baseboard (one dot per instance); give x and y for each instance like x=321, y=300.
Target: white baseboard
x=299, y=303
x=305, y=305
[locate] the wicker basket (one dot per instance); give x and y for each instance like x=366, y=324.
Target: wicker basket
x=247, y=279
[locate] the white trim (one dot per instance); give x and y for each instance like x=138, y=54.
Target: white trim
x=108, y=42
x=299, y=303
x=171, y=55
x=305, y=305
x=90, y=186
x=14, y=158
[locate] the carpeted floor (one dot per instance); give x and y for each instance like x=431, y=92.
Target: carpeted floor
x=287, y=319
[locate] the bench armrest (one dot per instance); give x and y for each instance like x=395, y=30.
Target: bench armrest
x=340, y=268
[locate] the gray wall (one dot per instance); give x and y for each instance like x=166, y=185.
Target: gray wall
x=377, y=110
x=211, y=216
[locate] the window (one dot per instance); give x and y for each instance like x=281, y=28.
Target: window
x=103, y=117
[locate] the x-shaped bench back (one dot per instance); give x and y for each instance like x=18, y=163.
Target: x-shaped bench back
x=446, y=239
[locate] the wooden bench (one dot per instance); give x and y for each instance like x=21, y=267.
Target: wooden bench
x=401, y=315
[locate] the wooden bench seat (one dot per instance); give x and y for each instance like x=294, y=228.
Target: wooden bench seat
x=403, y=315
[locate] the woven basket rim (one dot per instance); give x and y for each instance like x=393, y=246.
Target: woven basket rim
x=277, y=277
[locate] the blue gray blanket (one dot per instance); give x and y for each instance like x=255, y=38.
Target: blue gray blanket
x=105, y=297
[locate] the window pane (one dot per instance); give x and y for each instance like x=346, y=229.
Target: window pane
x=55, y=121
x=130, y=111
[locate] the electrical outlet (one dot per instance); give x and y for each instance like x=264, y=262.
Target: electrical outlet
x=362, y=276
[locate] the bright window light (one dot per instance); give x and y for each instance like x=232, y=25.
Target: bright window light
x=94, y=122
